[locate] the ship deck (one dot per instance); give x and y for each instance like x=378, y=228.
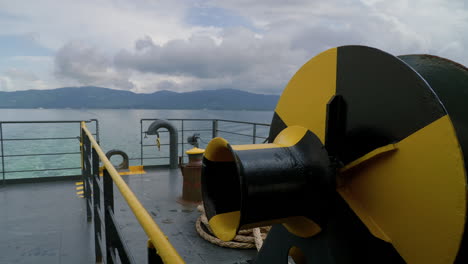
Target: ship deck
x=45, y=222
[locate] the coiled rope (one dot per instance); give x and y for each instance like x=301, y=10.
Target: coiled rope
x=248, y=238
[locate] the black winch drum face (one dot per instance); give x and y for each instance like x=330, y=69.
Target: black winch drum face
x=360, y=123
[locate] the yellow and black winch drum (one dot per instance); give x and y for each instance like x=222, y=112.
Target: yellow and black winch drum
x=394, y=147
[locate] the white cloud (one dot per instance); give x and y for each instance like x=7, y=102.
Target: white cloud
x=27, y=73
x=11, y=79
x=109, y=24
x=400, y=26
x=5, y=83
x=20, y=74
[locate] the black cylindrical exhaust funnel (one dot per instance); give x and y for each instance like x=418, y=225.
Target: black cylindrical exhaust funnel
x=288, y=181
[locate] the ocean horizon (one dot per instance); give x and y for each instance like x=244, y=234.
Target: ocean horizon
x=118, y=129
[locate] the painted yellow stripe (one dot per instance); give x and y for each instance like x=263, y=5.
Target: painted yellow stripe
x=415, y=197
x=195, y=151
x=373, y=154
x=80, y=192
x=254, y=146
x=163, y=247
x=217, y=150
x=302, y=226
x=225, y=225
x=79, y=188
x=79, y=183
x=131, y=170
x=308, y=93
x=289, y=137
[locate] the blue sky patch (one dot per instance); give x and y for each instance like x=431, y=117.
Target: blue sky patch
x=217, y=17
x=22, y=45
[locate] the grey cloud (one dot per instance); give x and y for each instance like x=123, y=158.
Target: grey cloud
x=87, y=66
x=198, y=56
x=241, y=61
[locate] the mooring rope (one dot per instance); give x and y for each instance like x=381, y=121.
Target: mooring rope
x=248, y=238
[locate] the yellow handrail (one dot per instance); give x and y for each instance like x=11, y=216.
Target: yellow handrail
x=163, y=247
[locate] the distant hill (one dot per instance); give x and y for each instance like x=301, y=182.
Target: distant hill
x=98, y=97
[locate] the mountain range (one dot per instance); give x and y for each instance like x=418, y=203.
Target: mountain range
x=99, y=97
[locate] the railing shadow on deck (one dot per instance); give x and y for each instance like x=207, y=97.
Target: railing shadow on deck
x=160, y=250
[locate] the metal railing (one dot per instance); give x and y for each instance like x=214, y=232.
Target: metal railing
x=214, y=129
x=160, y=250
x=24, y=135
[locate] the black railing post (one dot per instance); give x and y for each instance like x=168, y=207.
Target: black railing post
x=141, y=142
x=215, y=128
x=82, y=134
x=153, y=257
x=85, y=164
x=3, y=159
x=108, y=208
x=108, y=190
x=86, y=176
x=254, y=133
x=183, y=140
x=96, y=207
x=97, y=130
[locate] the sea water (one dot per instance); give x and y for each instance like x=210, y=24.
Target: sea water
x=118, y=129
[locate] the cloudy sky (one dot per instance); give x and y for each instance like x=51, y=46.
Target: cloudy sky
x=184, y=45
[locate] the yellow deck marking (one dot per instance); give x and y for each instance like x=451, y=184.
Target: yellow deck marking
x=79, y=186
x=414, y=197
x=131, y=170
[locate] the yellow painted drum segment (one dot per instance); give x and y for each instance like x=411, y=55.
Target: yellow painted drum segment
x=308, y=93
x=416, y=195
x=225, y=225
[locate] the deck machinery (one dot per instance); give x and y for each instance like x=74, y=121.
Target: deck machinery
x=365, y=164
